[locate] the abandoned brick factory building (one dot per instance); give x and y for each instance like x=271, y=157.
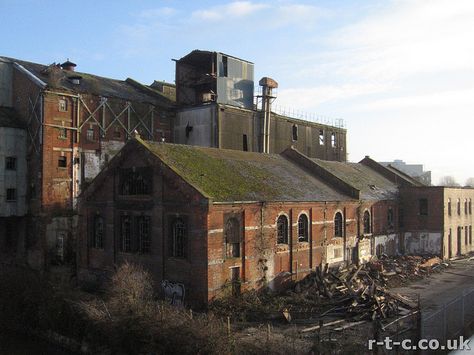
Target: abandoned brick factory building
x=219, y=220
x=202, y=181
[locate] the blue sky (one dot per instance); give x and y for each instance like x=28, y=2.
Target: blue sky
x=400, y=73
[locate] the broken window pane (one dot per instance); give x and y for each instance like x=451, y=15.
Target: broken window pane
x=321, y=137
x=333, y=139
x=295, y=132
x=367, y=229
x=62, y=162
x=125, y=234
x=232, y=238
x=282, y=230
x=135, y=181
x=338, y=225
x=10, y=163
x=98, y=236
x=303, y=228
x=11, y=195
x=178, y=238
x=143, y=233
x=245, y=146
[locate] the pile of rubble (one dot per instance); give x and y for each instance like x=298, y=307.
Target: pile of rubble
x=400, y=270
x=361, y=292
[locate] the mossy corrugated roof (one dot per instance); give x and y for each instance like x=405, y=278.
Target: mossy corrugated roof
x=228, y=175
x=372, y=185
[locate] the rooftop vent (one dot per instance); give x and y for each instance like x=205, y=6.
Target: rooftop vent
x=68, y=65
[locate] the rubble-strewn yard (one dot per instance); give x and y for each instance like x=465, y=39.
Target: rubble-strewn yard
x=335, y=309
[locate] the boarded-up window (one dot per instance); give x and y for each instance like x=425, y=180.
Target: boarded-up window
x=232, y=238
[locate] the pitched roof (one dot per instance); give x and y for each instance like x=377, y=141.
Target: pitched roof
x=58, y=78
x=9, y=118
x=372, y=186
x=230, y=175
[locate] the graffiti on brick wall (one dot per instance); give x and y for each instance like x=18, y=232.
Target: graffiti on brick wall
x=174, y=292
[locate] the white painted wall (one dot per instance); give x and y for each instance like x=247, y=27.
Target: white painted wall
x=423, y=243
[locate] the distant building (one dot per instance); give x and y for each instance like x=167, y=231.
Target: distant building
x=437, y=220
x=414, y=170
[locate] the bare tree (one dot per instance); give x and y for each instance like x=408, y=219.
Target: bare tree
x=448, y=180
x=469, y=182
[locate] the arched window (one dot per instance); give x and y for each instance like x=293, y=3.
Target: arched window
x=98, y=235
x=459, y=207
x=303, y=228
x=470, y=206
x=338, y=225
x=366, y=222
x=465, y=206
x=282, y=230
x=449, y=207
x=178, y=238
x=232, y=238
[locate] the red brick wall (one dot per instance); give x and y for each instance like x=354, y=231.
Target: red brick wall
x=413, y=221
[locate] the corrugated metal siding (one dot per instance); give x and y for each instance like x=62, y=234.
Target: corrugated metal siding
x=235, y=88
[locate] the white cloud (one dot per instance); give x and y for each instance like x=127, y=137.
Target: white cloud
x=157, y=13
x=230, y=10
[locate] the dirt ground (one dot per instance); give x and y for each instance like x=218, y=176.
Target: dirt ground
x=440, y=288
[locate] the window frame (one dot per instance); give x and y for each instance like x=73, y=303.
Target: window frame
x=366, y=223
x=282, y=230
x=423, y=206
x=178, y=238
x=338, y=225
x=233, y=238
x=62, y=162
x=303, y=228
x=11, y=163
x=98, y=232
x=11, y=195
